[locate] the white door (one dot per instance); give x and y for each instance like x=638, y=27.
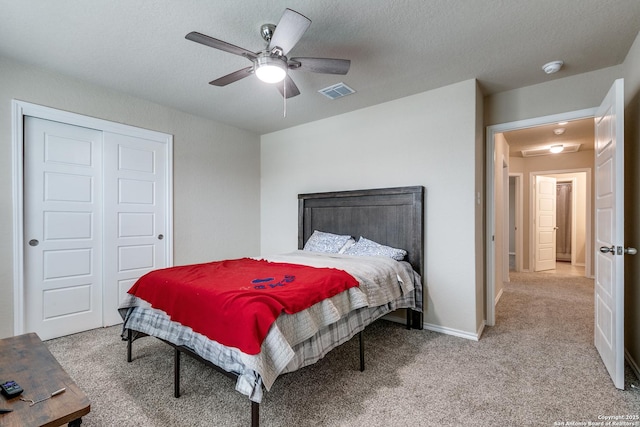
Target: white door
x=545, y=223
x=62, y=228
x=609, y=193
x=135, y=179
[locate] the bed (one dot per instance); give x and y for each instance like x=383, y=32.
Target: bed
x=393, y=217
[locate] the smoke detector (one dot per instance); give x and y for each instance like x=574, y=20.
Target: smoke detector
x=552, y=67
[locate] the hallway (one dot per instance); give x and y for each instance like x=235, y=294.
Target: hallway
x=563, y=268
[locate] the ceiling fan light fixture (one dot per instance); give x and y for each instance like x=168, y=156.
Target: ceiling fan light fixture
x=270, y=69
x=271, y=65
x=556, y=148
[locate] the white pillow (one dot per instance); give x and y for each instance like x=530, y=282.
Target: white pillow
x=366, y=247
x=327, y=242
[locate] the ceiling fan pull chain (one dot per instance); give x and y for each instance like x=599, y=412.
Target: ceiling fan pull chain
x=284, y=98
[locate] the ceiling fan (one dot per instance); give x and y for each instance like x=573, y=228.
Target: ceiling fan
x=271, y=64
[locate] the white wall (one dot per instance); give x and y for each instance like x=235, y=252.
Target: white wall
x=216, y=169
x=556, y=96
x=480, y=172
x=427, y=139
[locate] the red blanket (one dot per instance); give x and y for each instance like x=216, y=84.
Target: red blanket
x=234, y=302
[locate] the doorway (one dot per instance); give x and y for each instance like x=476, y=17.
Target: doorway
x=567, y=234
x=515, y=221
x=608, y=236
x=573, y=222
x=496, y=223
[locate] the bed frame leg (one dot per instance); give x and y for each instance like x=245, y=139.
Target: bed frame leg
x=255, y=414
x=417, y=320
x=361, y=337
x=129, y=344
x=176, y=373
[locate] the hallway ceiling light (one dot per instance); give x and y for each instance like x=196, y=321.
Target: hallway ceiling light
x=556, y=148
x=559, y=131
x=544, y=149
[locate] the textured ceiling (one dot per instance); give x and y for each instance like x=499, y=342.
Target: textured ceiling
x=397, y=48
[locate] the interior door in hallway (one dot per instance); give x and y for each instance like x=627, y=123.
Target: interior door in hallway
x=545, y=223
x=62, y=228
x=609, y=229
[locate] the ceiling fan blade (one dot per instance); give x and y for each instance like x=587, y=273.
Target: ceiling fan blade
x=233, y=77
x=219, y=44
x=291, y=91
x=289, y=30
x=320, y=65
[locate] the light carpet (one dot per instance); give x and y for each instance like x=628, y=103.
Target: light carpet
x=537, y=367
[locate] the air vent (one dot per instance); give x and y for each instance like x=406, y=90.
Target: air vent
x=337, y=91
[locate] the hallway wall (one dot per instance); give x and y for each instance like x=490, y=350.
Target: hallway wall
x=579, y=160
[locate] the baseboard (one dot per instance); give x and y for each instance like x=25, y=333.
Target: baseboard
x=632, y=363
x=454, y=332
x=498, y=297
x=481, y=329
x=441, y=329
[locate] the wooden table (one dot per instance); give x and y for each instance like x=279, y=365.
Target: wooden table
x=27, y=361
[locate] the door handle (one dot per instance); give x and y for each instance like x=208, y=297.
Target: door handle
x=612, y=249
x=34, y=242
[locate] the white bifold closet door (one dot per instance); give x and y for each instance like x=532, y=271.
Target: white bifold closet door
x=94, y=218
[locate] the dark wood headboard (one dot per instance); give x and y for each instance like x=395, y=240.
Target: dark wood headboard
x=390, y=216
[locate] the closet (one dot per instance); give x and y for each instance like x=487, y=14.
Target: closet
x=96, y=211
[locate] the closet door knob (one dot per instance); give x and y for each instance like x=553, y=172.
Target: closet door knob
x=605, y=249
x=160, y=236
x=34, y=242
